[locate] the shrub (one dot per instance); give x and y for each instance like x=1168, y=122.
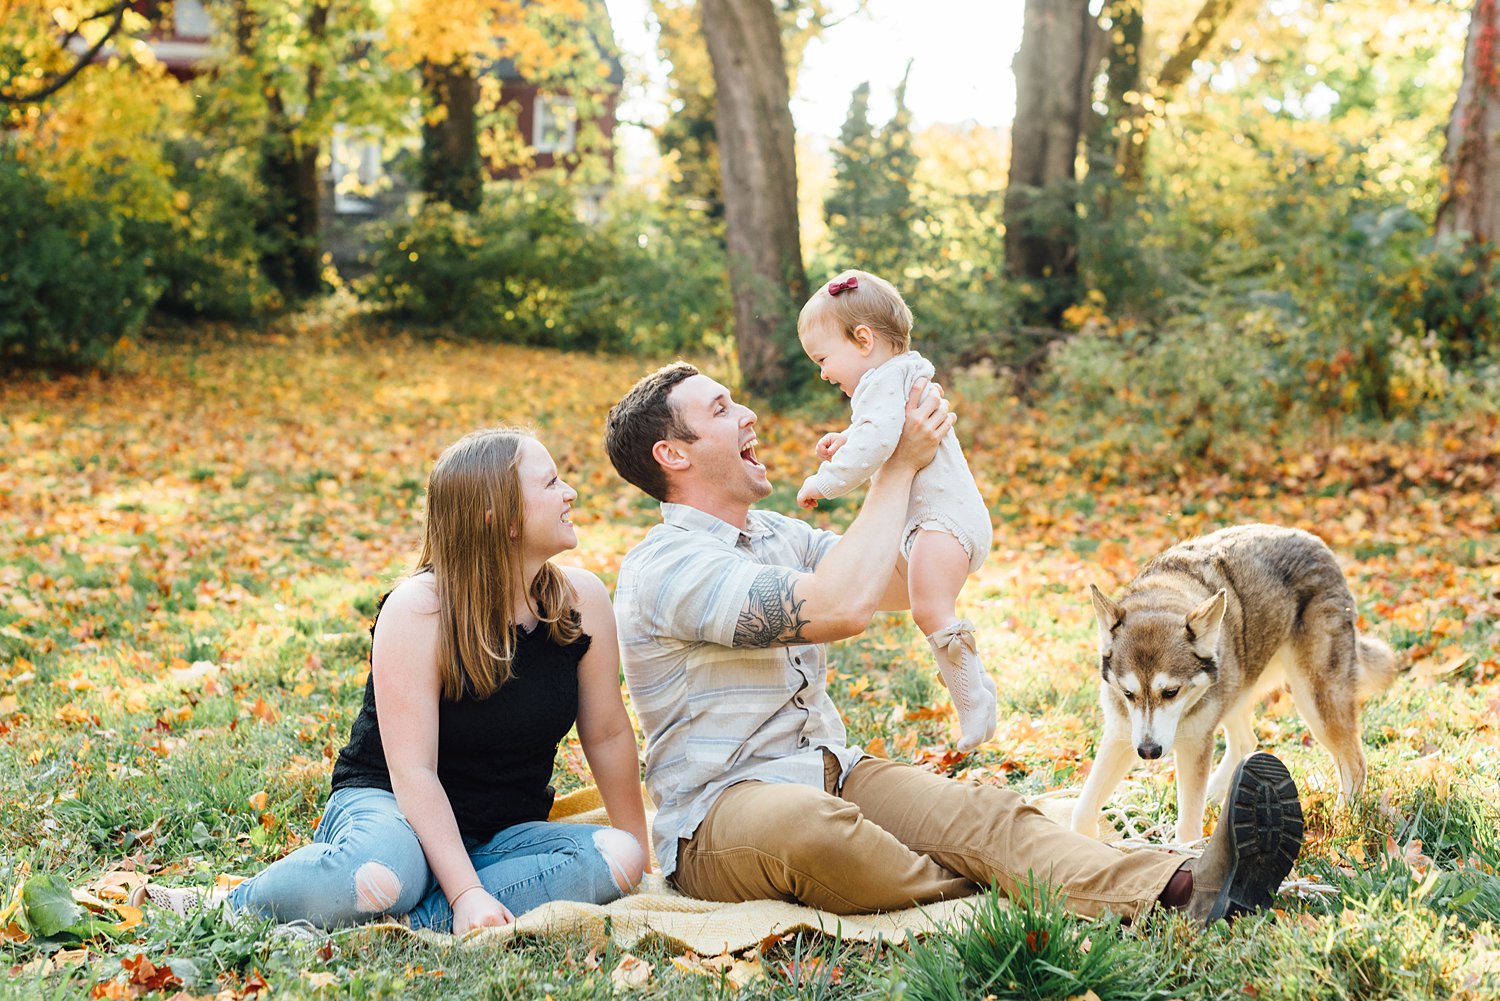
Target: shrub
x=525, y=269
x=1195, y=382
x=73, y=282
x=208, y=254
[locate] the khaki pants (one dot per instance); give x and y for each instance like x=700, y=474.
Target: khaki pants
x=895, y=836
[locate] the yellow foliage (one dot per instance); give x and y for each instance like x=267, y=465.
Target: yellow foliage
x=104, y=135
x=473, y=32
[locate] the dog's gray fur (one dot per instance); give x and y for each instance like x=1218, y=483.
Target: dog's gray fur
x=1205, y=631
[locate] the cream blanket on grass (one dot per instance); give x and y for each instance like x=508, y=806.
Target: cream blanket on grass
x=657, y=912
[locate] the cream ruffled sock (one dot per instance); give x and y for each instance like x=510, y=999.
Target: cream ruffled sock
x=969, y=684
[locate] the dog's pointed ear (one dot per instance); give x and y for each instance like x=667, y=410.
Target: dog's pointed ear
x=1204, y=624
x=1110, y=615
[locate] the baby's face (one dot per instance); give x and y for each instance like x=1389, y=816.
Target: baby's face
x=840, y=360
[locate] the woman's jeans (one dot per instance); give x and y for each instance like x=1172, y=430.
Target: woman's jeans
x=365, y=861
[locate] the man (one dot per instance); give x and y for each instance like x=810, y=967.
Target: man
x=723, y=613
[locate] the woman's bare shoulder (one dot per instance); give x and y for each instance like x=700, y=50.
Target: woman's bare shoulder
x=414, y=595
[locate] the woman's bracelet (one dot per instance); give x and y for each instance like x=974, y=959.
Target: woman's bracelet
x=453, y=900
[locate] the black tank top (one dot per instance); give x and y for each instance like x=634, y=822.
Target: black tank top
x=495, y=755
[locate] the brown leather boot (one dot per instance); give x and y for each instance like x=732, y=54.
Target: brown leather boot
x=1254, y=845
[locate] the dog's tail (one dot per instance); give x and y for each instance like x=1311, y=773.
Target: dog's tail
x=1378, y=665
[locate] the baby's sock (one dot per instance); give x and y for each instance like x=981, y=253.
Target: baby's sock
x=972, y=690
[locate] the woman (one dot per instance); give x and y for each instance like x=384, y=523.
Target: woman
x=482, y=660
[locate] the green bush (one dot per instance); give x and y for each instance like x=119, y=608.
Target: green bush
x=525, y=269
x=208, y=254
x=73, y=281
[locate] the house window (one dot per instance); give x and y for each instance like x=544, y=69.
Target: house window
x=554, y=126
x=357, y=170
x=191, y=20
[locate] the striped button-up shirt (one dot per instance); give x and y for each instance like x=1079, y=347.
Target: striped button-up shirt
x=714, y=714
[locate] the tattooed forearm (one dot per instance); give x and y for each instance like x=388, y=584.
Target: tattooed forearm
x=772, y=614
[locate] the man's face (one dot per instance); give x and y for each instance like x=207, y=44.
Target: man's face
x=723, y=458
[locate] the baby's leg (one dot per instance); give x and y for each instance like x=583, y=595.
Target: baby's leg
x=938, y=568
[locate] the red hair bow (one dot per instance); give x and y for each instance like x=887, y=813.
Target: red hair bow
x=852, y=282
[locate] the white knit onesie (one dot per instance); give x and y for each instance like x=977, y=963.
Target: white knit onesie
x=943, y=495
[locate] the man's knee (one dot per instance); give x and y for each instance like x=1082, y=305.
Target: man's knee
x=624, y=855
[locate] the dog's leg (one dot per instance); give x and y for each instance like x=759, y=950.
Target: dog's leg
x=1324, y=685
x=1193, y=758
x=1239, y=744
x=1112, y=760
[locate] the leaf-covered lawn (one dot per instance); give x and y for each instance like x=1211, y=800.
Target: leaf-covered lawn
x=190, y=552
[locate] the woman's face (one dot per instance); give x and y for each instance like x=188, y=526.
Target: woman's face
x=548, y=504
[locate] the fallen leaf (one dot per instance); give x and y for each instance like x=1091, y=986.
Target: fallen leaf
x=631, y=972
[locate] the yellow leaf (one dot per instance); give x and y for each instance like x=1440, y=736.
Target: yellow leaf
x=129, y=916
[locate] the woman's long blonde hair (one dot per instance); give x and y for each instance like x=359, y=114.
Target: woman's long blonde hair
x=475, y=559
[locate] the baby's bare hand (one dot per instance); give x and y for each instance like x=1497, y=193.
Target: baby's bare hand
x=829, y=444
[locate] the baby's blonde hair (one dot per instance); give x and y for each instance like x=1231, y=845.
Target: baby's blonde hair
x=872, y=302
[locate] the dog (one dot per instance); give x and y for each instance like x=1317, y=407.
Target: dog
x=1201, y=635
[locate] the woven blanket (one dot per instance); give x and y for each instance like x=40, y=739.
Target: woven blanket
x=657, y=912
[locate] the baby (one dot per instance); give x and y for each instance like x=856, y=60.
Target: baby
x=857, y=330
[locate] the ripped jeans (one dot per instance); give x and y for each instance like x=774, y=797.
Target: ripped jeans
x=523, y=867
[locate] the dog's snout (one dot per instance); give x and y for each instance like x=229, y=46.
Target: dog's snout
x=1149, y=751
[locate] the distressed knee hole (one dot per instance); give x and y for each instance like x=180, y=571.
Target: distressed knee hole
x=624, y=856
x=376, y=888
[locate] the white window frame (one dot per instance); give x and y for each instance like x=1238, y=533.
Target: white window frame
x=551, y=133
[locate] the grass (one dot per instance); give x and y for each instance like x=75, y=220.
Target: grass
x=191, y=549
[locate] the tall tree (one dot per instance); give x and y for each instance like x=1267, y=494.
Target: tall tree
x=1061, y=46
x=1471, y=202
x=293, y=70
x=688, y=134
x=758, y=167
x=1144, y=107
x=47, y=45
x=455, y=45
x=1124, y=22
x=871, y=209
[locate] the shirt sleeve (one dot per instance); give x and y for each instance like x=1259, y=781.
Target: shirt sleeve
x=874, y=430
x=707, y=594
x=812, y=544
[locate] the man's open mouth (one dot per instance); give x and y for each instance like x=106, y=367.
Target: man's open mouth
x=748, y=454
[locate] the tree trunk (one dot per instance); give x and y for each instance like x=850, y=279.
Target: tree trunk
x=758, y=165
x=1060, y=48
x=1122, y=69
x=1142, y=115
x=1471, y=201
x=293, y=258
x=452, y=170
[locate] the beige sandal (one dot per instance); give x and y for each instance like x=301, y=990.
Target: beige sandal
x=180, y=900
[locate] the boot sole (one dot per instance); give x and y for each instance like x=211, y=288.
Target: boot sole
x=1264, y=816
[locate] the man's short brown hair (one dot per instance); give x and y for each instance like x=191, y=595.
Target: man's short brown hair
x=643, y=417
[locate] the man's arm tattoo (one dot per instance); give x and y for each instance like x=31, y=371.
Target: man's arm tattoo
x=772, y=614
